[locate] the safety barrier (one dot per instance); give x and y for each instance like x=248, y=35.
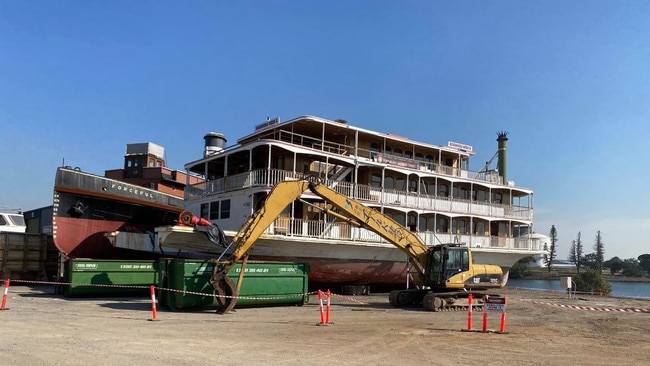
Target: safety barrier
x=324, y=310
x=324, y=315
x=491, y=304
x=4, y=297
x=594, y=308
x=553, y=291
x=154, y=313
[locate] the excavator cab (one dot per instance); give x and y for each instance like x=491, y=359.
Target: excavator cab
x=445, y=262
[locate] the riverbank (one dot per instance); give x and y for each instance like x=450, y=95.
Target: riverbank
x=556, y=274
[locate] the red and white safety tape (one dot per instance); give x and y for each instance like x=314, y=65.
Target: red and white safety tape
x=592, y=308
x=182, y=291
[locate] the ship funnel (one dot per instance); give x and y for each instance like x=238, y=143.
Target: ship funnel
x=214, y=142
x=502, y=139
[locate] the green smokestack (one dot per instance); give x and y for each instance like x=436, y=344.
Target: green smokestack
x=502, y=139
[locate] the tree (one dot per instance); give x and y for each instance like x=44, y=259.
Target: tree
x=579, y=252
x=521, y=268
x=593, y=281
x=615, y=264
x=631, y=268
x=644, y=262
x=572, y=253
x=599, y=248
x=552, y=253
x=589, y=261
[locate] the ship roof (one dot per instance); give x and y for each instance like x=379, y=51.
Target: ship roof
x=307, y=121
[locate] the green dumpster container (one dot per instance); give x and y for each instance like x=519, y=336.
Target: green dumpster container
x=89, y=277
x=185, y=284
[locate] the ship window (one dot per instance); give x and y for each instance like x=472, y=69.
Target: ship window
x=412, y=220
x=2, y=221
x=375, y=180
x=397, y=151
x=458, y=227
x=431, y=189
x=460, y=193
x=214, y=210
x=480, y=228
x=429, y=159
x=413, y=186
x=204, y=210
x=408, y=154
x=374, y=149
x=504, y=229
x=443, y=225
x=278, y=163
x=422, y=223
x=389, y=182
x=220, y=210
x=443, y=190
x=481, y=196
x=400, y=219
x=225, y=209
x=400, y=184
x=423, y=187
x=497, y=198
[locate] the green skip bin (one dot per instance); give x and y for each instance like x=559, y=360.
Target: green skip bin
x=89, y=277
x=184, y=284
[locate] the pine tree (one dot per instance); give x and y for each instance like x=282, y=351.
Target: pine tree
x=552, y=253
x=579, y=252
x=599, y=248
x=572, y=253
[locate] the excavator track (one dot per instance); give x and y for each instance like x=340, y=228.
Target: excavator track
x=442, y=302
x=433, y=301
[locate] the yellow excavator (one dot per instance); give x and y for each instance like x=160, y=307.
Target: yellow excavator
x=444, y=274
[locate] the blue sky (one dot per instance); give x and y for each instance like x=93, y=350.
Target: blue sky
x=570, y=81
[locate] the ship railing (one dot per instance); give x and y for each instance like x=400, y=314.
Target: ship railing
x=255, y=178
x=342, y=231
x=367, y=193
x=446, y=204
x=306, y=141
x=414, y=163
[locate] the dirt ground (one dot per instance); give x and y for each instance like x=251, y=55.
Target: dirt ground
x=42, y=328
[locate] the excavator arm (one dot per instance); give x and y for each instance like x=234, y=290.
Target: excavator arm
x=375, y=221
x=348, y=209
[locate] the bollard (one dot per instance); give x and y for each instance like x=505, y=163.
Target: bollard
x=4, y=297
x=320, y=306
x=502, y=327
x=327, y=317
x=153, y=303
x=469, y=312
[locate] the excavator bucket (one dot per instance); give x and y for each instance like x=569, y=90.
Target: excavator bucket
x=226, y=291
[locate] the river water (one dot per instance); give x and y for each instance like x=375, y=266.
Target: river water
x=619, y=289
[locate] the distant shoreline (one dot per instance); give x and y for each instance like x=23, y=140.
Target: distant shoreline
x=608, y=277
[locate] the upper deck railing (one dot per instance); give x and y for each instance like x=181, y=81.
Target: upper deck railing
x=364, y=193
x=415, y=163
